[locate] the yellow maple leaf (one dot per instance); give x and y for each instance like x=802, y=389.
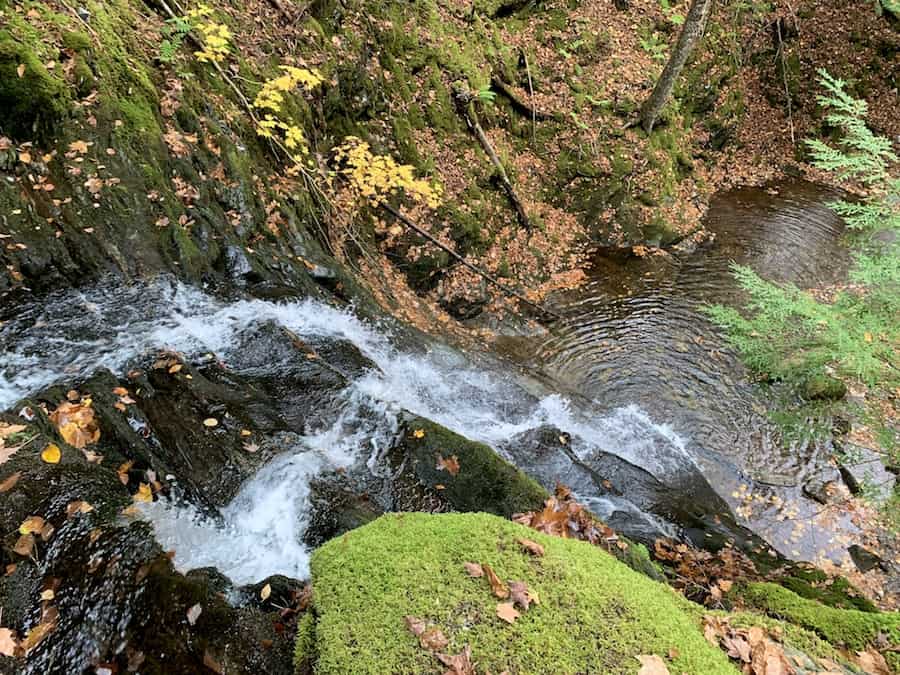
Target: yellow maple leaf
x=144, y=493
x=51, y=454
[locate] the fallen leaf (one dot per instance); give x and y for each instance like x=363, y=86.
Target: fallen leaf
x=474, y=569
x=265, y=592
x=450, y=464
x=20, y=70
x=498, y=588
x=459, y=664
x=210, y=422
x=8, y=642
x=507, y=612
x=48, y=595
x=37, y=634
x=144, y=493
x=652, y=665
x=7, y=430
x=24, y=545
x=193, y=613
x=51, y=454
x=79, y=147
x=210, y=662
x=246, y=432
x=520, y=595
x=123, y=470
x=872, y=662
x=10, y=481
x=433, y=639
x=76, y=423
x=32, y=525
x=419, y=433
x=78, y=507
x=531, y=546
x=251, y=447
x=178, y=366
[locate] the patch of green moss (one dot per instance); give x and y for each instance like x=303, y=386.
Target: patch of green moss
x=77, y=41
x=305, y=644
x=840, y=627
x=814, y=584
x=485, y=481
x=33, y=102
x=595, y=614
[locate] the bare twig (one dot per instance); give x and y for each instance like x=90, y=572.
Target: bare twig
x=466, y=108
x=787, y=91
x=517, y=101
x=531, y=93
x=456, y=256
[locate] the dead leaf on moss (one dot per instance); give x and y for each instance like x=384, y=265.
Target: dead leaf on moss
x=507, y=612
x=430, y=637
x=498, y=588
x=76, y=423
x=449, y=464
x=473, y=569
x=520, y=595
x=10, y=481
x=652, y=665
x=531, y=546
x=8, y=642
x=458, y=664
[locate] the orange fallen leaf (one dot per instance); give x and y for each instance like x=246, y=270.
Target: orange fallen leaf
x=78, y=507
x=10, y=481
x=507, y=612
x=144, y=493
x=498, y=588
x=419, y=433
x=32, y=525
x=531, y=546
x=8, y=642
x=24, y=545
x=450, y=464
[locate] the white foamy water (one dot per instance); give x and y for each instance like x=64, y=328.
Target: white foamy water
x=259, y=532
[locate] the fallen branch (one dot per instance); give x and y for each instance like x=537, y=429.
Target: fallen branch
x=466, y=108
x=456, y=256
x=517, y=102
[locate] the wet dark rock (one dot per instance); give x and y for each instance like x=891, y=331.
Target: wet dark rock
x=864, y=469
x=822, y=486
x=338, y=503
x=465, y=306
x=237, y=264
x=117, y=599
x=212, y=578
x=281, y=592
x=864, y=559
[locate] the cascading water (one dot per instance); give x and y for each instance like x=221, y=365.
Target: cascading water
x=259, y=532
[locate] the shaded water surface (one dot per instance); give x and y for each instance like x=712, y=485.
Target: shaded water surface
x=636, y=334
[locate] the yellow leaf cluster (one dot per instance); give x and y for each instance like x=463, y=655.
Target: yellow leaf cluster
x=216, y=36
x=271, y=98
x=375, y=178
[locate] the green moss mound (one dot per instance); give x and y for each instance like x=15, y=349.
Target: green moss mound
x=595, y=614
x=848, y=627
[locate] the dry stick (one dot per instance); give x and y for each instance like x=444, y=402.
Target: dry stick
x=467, y=110
x=518, y=103
x=78, y=16
x=456, y=256
x=787, y=91
x=531, y=93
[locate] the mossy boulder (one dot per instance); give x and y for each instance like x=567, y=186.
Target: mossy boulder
x=595, y=614
x=823, y=387
x=484, y=481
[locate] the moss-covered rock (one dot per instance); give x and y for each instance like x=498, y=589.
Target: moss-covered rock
x=841, y=627
x=595, y=614
x=484, y=481
x=822, y=387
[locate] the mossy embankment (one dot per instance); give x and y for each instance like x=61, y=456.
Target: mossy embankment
x=592, y=613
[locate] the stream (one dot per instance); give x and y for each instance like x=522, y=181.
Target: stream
x=658, y=425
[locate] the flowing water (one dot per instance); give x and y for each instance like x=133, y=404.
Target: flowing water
x=636, y=334
x=648, y=380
